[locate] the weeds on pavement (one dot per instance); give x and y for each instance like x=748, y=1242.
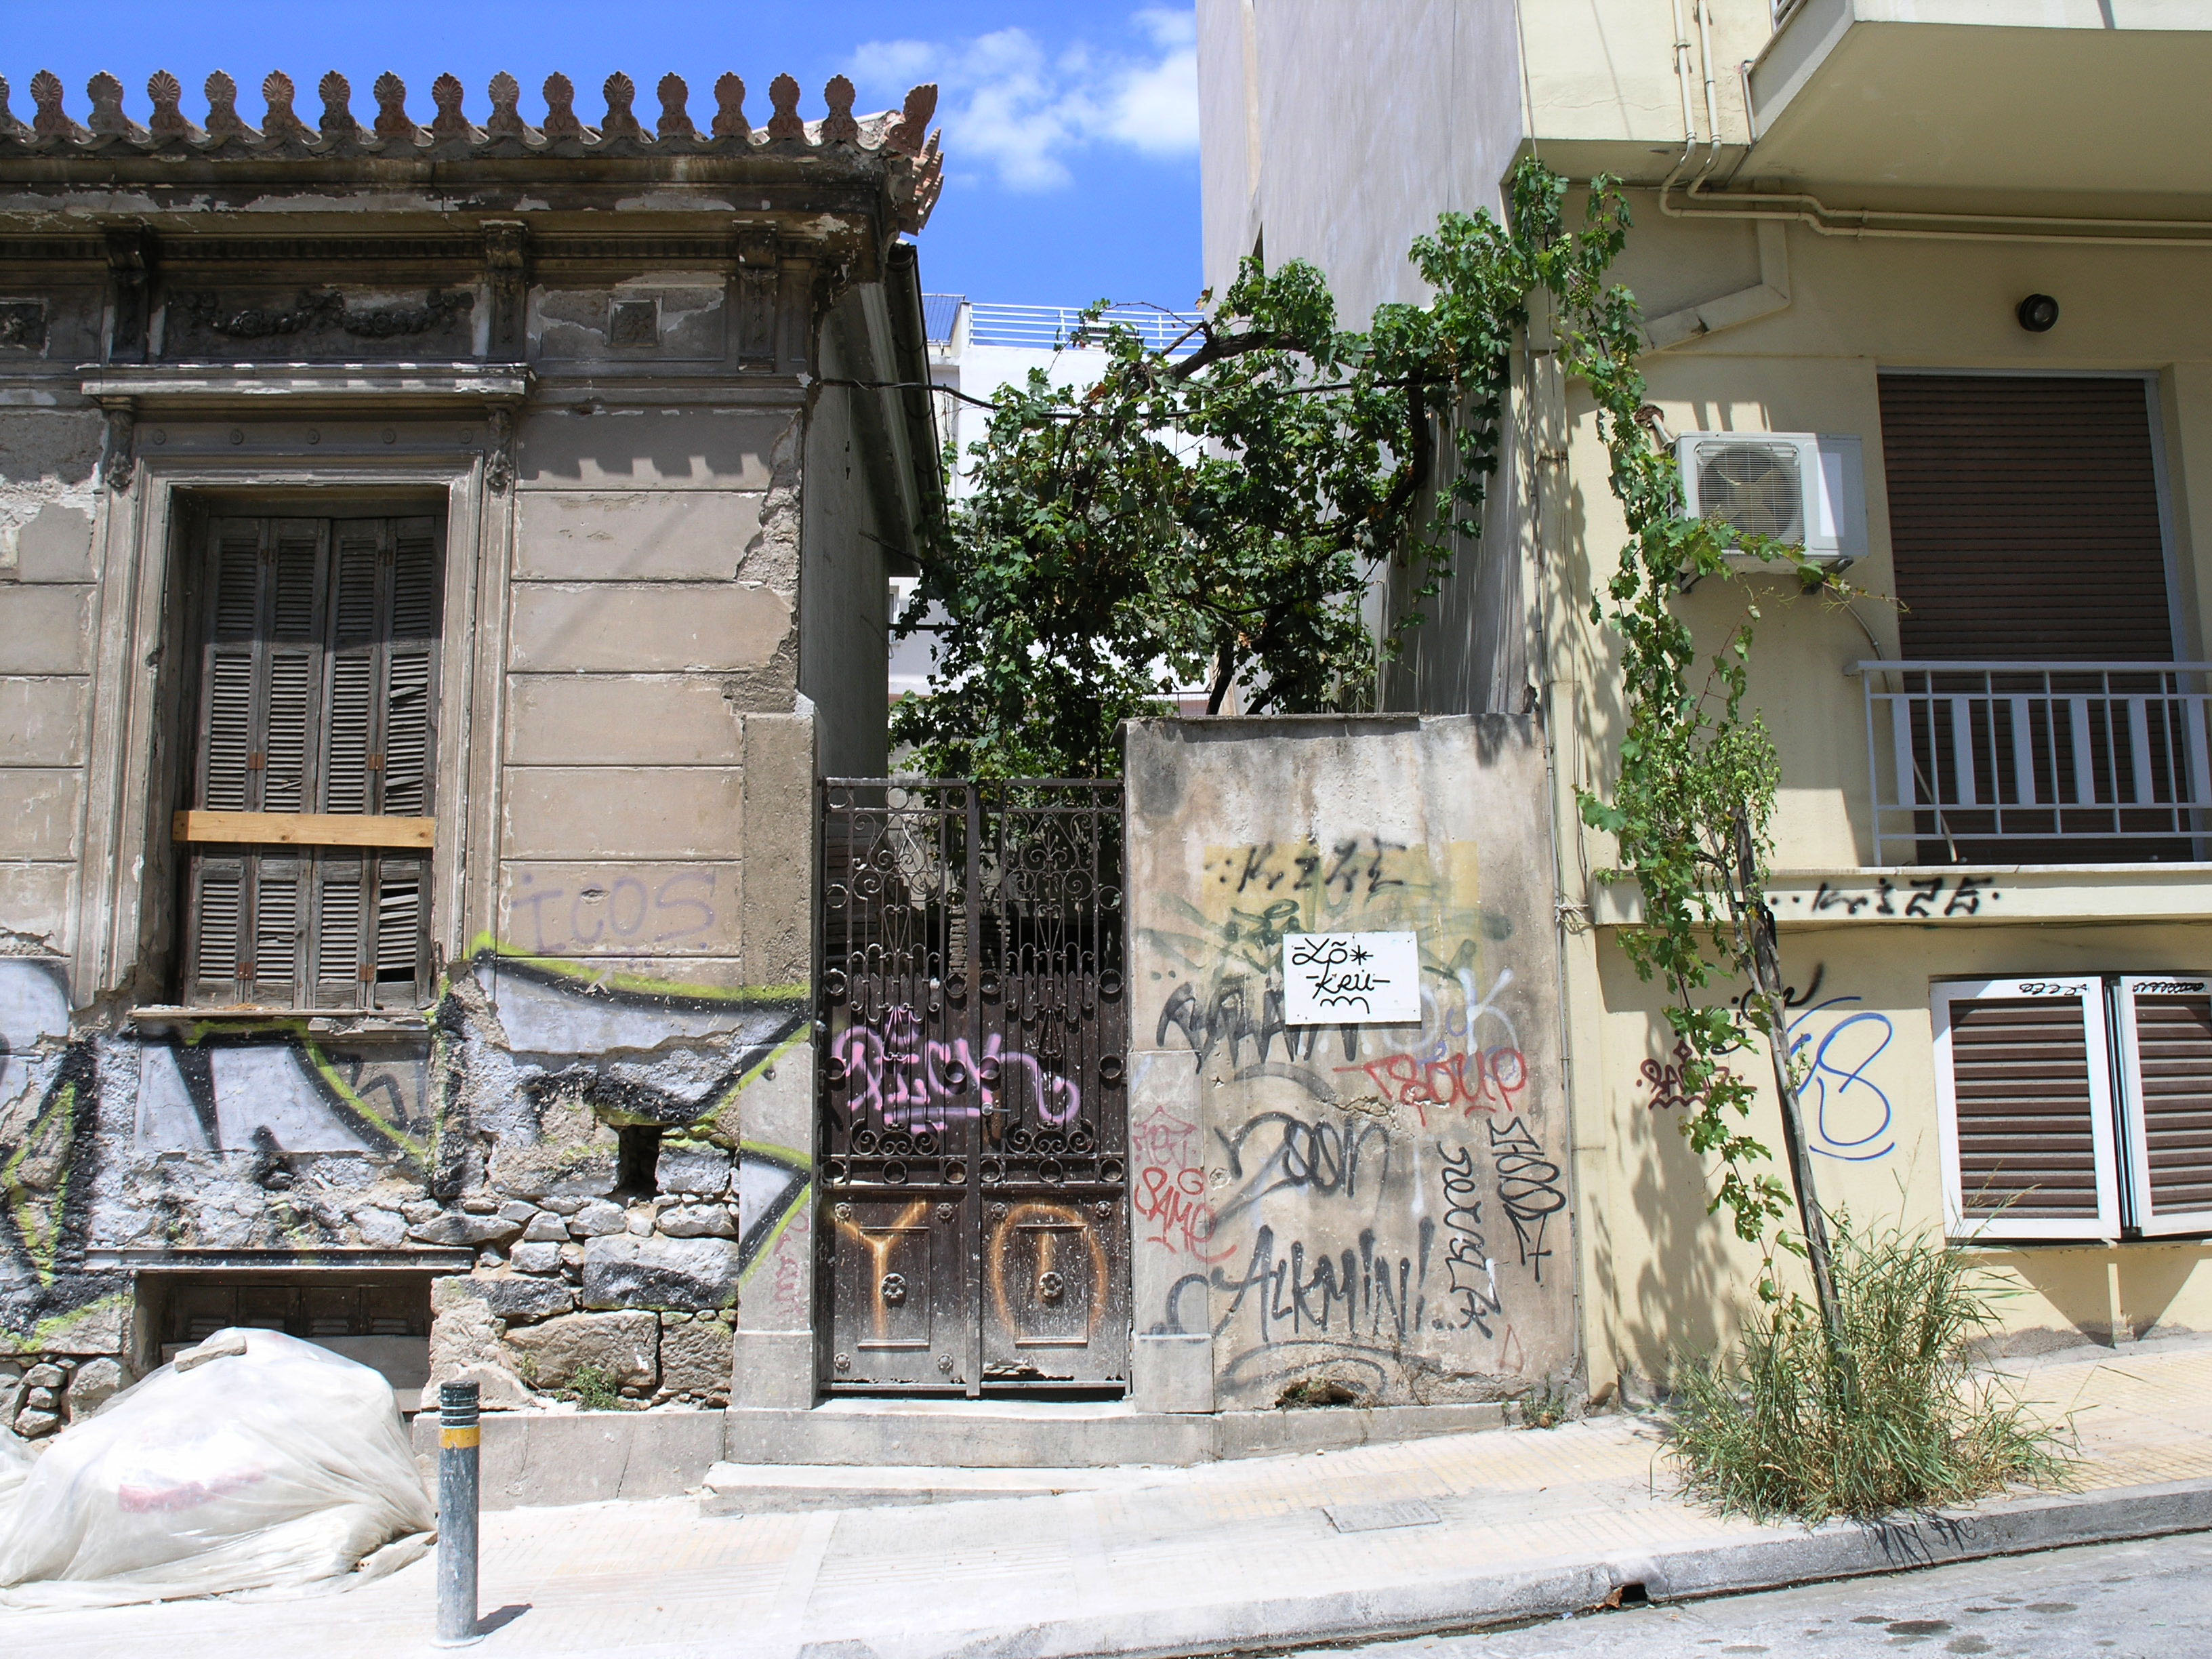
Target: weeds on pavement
x=1894, y=1417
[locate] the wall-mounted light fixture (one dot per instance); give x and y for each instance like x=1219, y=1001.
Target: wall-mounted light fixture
x=2037, y=313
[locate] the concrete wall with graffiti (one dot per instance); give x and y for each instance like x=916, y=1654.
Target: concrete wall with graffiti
x=1670, y=1280
x=1362, y=1212
x=488, y=1145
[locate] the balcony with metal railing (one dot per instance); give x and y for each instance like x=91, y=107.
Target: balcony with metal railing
x=953, y=320
x=2018, y=762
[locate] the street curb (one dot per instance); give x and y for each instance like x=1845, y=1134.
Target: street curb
x=1835, y=1550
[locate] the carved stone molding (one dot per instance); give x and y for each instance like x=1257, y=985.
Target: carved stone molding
x=23, y=324
x=312, y=312
x=120, y=460
x=499, y=450
x=507, y=261
x=130, y=277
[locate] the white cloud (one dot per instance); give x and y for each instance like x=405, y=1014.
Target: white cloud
x=1009, y=106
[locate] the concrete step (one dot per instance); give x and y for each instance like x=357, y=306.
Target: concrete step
x=769, y=1488
x=1028, y=1435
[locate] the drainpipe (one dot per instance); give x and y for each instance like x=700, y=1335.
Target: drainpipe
x=1712, y=107
x=1683, y=83
x=1770, y=293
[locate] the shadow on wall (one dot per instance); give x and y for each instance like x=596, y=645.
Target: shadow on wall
x=2079, y=1286
x=1690, y=1275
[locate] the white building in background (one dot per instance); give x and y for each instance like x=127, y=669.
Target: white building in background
x=975, y=349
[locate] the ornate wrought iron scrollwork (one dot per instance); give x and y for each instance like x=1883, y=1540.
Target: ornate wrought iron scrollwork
x=972, y=1033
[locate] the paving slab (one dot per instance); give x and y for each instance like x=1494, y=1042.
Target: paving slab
x=1458, y=1531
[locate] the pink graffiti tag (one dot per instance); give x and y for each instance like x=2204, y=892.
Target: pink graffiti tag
x=907, y=1083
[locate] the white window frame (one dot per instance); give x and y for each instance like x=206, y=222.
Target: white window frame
x=2088, y=990
x=2141, y=1212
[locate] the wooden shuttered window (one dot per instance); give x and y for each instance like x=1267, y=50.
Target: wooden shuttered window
x=2165, y=1027
x=318, y=683
x=2076, y=1106
x=2024, y=518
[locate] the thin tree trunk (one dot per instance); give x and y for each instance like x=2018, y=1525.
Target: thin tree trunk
x=1222, y=679
x=1767, y=986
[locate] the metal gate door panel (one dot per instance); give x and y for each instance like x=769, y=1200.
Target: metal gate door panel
x=1051, y=1287
x=975, y=1031
x=899, y=1265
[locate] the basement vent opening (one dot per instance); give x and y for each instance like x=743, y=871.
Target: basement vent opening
x=637, y=1161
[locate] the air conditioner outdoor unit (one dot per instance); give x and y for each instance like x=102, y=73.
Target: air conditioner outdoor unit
x=1799, y=486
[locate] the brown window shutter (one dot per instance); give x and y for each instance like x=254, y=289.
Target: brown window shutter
x=2024, y=520
x=2024, y=1088
x=226, y=781
x=341, y=929
x=293, y=648
x=277, y=928
x=408, y=740
x=2166, y=1075
x=318, y=673
x=402, y=918
x=213, y=934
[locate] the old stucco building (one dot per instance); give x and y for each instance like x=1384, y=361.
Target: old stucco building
x=436, y=561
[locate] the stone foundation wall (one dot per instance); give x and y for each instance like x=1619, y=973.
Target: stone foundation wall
x=496, y=1132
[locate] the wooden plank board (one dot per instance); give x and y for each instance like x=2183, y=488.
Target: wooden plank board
x=303, y=829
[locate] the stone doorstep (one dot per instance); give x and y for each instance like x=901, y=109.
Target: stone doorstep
x=956, y=1449
x=852, y=1430
x=736, y=1489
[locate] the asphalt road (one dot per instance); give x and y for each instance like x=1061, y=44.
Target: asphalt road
x=2140, y=1600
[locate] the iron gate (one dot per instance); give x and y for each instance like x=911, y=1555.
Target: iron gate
x=974, y=1030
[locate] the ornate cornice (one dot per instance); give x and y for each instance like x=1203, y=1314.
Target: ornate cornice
x=890, y=145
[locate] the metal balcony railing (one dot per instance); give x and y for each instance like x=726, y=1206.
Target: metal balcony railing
x=1049, y=327
x=2030, y=763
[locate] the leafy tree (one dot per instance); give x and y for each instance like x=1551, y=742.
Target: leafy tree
x=1207, y=513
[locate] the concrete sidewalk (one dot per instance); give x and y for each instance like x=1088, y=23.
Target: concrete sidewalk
x=1442, y=1534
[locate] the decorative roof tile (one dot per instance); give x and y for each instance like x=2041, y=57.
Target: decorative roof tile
x=899, y=141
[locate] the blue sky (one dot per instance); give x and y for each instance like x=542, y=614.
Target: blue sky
x=1071, y=129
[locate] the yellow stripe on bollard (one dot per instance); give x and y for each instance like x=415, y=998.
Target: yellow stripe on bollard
x=461, y=1439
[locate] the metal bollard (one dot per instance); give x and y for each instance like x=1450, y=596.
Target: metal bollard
x=458, y=1493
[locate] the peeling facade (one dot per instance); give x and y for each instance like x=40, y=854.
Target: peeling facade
x=435, y=563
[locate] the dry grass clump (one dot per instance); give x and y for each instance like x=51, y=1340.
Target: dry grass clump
x=1904, y=1422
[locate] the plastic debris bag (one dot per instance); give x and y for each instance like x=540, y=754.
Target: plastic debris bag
x=253, y=1461
x=17, y=1459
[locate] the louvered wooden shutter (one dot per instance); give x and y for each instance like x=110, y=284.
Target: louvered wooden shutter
x=2024, y=520
x=2164, y=1030
x=408, y=737
x=244, y=937
x=318, y=695
x=2024, y=1097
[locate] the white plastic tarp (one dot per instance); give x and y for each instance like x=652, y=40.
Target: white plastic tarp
x=254, y=1460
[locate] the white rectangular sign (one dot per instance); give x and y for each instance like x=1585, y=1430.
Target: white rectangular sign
x=1351, y=979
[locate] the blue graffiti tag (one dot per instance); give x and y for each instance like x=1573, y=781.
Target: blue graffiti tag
x=1841, y=1082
